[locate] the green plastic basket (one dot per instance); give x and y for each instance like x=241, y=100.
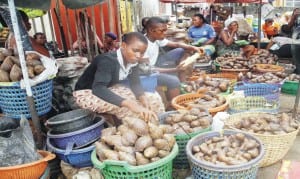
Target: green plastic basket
x=290, y=87
x=161, y=169
x=181, y=160
x=253, y=104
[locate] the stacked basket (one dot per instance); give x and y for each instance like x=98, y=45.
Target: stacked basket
x=72, y=136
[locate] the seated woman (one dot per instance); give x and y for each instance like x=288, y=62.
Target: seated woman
x=202, y=34
x=270, y=28
x=110, y=43
x=98, y=90
x=228, y=37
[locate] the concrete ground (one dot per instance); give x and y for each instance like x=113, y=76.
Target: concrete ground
x=287, y=104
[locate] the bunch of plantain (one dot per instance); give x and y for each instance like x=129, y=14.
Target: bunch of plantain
x=270, y=78
x=10, y=68
x=188, y=121
x=215, y=85
x=268, y=124
x=234, y=149
x=135, y=142
x=208, y=101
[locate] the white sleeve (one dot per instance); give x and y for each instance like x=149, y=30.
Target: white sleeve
x=163, y=42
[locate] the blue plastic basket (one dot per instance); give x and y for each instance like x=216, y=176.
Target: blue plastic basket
x=270, y=92
x=202, y=169
x=79, y=138
x=13, y=101
x=148, y=82
x=77, y=158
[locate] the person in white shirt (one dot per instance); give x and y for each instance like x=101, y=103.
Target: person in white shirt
x=166, y=62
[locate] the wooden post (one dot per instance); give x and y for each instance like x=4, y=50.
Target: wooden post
x=69, y=32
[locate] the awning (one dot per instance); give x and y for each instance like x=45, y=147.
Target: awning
x=45, y=4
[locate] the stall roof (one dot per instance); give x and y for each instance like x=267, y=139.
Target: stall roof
x=45, y=4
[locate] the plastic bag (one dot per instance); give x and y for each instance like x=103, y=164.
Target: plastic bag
x=50, y=70
x=16, y=142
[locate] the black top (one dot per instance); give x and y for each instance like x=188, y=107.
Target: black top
x=102, y=73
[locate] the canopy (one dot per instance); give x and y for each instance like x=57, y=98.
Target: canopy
x=45, y=4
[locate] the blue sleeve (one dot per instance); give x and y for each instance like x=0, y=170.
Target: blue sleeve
x=211, y=32
x=189, y=33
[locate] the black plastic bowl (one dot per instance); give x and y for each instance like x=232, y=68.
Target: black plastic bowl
x=70, y=121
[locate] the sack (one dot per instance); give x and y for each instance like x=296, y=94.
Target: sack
x=16, y=142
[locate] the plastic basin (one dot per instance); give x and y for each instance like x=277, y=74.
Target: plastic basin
x=79, y=138
x=70, y=121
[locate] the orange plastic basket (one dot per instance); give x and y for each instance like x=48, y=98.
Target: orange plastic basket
x=263, y=68
x=180, y=102
x=31, y=170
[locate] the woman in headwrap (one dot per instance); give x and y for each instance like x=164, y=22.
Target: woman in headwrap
x=228, y=37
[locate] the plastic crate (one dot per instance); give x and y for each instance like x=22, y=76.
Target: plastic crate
x=181, y=160
x=270, y=92
x=290, y=87
x=203, y=169
x=148, y=82
x=253, y=104
x=161, y=169
x=13, y=101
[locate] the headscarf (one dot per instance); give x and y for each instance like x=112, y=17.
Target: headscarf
x=229, y=21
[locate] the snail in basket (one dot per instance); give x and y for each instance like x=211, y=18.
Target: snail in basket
x=135, y=141
x=10, y=69
x=234, y=149
x=188, y=121
x=293, y=77
x=208, y=101
x=267, y=124
x=205, y=82
x=269, y=77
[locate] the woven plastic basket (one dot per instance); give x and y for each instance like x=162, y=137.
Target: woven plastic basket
x=29, y=170
x=13, y=101
x=263, y=68
x=181, y=160
x=276, y=146
x=179, y=102
x=252, y=104
x=203, y=170
x=290, y=87
x=161, y=169
x=270, y=92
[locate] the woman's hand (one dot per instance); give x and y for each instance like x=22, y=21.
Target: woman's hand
x=145, y=102
x=144, y=113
